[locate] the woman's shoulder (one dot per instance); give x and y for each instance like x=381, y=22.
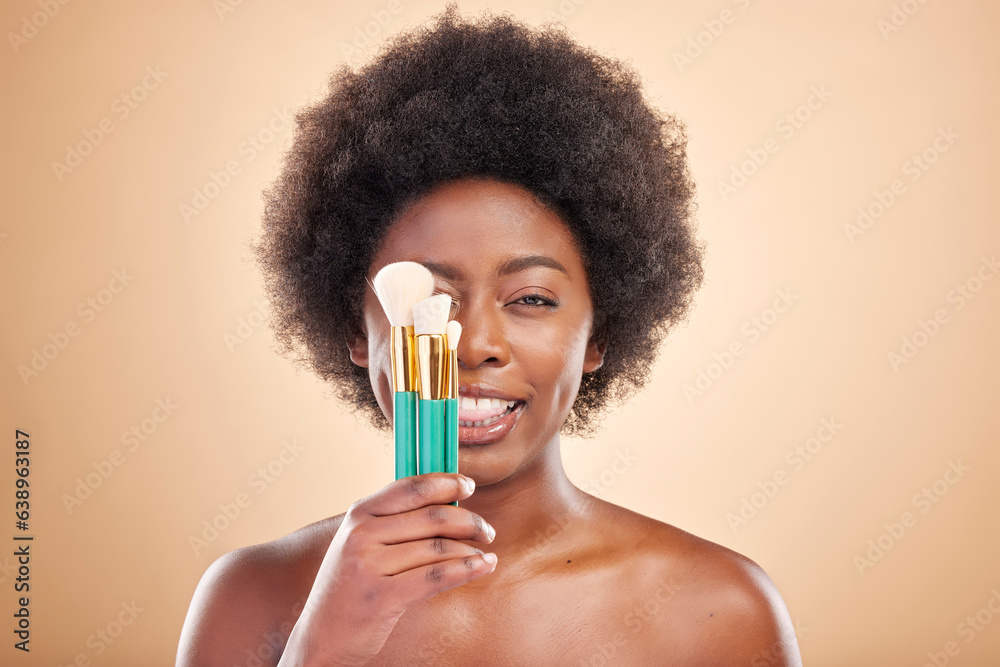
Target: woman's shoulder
x=295, y=556
x=250, y=598
x=704, y=594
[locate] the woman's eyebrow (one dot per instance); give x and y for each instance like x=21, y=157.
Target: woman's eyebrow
x=529, y=261
x=510, y=266
x=446, y=271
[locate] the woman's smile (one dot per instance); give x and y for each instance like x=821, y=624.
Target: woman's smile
x=483, y=420
x=485, y=414
x=520, y=291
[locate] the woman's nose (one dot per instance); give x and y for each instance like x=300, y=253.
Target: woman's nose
x=483, y=341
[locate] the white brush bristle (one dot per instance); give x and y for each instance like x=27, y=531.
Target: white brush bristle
x=430, y=316
x=399, y=286
x=454, y=333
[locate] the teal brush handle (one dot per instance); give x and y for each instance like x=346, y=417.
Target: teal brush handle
x=431, y=443
x=451, y=437
x=405, y=432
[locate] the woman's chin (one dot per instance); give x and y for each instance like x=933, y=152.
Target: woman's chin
x=485, y=467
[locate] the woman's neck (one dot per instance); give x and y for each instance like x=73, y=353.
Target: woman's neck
x=530, y=508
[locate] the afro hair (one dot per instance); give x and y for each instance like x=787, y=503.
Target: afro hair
x=483, y=98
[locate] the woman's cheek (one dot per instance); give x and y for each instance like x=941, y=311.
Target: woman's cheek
x=380, y=368
x=554, y=361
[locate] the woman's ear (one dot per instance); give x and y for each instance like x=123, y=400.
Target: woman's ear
x=594, y=357
x=357, y=343
x=597, y=346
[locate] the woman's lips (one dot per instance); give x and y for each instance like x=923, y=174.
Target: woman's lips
x=481, y=435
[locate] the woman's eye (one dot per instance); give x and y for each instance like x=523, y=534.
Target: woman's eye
x=536, y=301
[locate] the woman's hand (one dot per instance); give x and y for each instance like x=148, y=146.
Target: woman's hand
x=394, y=549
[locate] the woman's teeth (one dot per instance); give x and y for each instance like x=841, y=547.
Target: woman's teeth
x=484, y=404
x=482, y=411
x=484, y=422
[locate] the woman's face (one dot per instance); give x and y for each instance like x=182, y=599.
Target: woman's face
x=523, y=300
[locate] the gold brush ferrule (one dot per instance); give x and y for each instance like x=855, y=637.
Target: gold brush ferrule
x=404, y=360
x=432, y=366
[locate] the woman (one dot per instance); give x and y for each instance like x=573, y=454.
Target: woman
x=554, y=206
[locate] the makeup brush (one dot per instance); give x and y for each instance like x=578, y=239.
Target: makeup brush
x=398, y=287
x=453, y=332
x=430, y=321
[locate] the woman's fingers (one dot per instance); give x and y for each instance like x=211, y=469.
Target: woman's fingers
x=410, y=493
x=416, y=585
x=398, y=558
x=456, y=523
x=416, y=508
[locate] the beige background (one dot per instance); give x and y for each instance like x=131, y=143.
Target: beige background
x=168, y=335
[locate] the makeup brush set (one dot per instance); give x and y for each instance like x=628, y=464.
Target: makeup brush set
x=424, y=369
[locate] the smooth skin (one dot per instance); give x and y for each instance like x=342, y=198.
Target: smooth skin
x=401, y=577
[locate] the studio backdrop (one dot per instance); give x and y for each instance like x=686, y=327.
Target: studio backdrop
x=829, y=409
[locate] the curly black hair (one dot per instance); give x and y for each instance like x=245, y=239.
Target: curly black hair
x=484, y=98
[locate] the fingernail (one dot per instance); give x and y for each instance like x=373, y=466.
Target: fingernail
x=470, y=484
x=492, y=532
x=490, y=558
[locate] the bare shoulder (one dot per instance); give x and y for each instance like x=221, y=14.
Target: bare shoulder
x=716, y=603
x=249, y=598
